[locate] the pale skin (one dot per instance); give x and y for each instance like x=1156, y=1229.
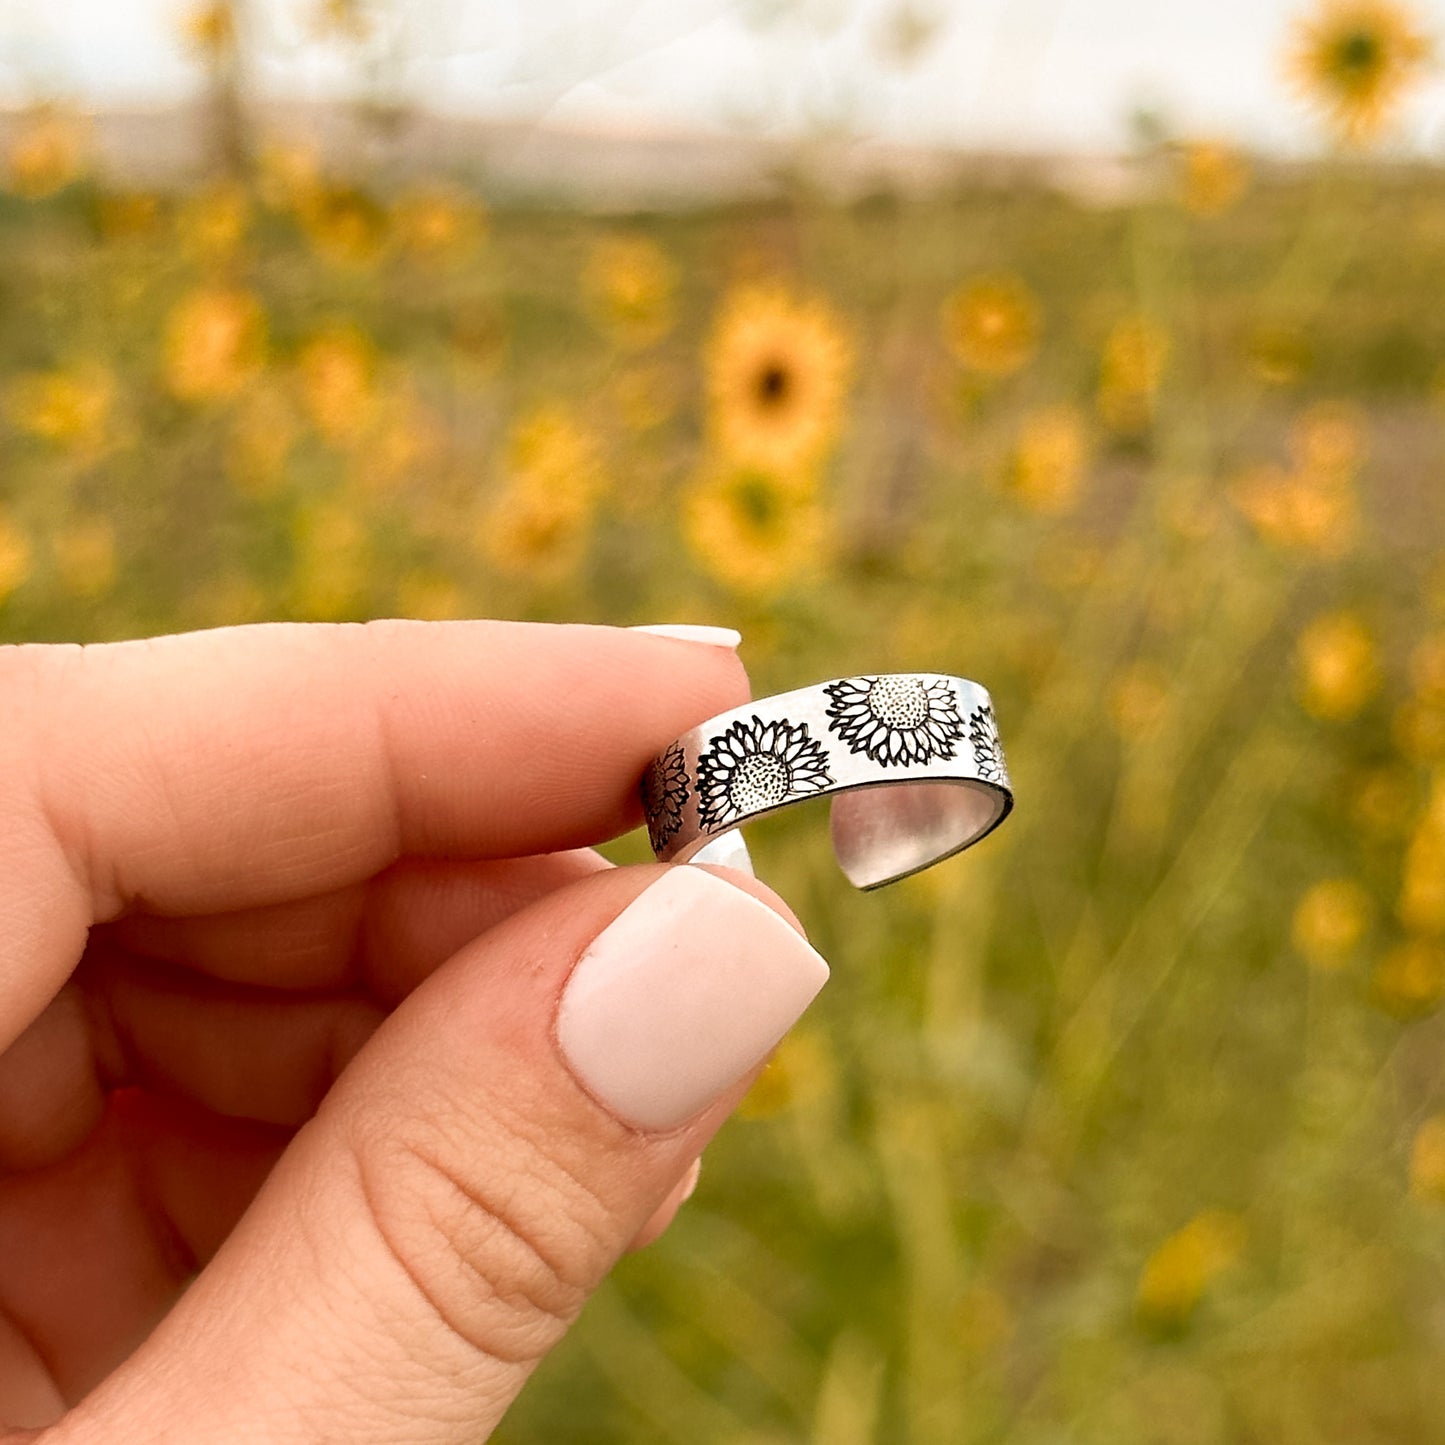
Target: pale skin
x=231, y=861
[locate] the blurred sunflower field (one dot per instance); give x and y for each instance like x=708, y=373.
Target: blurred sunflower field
x=1125, y=1128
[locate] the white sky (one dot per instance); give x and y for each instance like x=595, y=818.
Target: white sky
x=1018, y=74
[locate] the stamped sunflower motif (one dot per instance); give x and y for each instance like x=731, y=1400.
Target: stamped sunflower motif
x=664, y=791
x=987, y=749
x=895, y=720
x=755, y=765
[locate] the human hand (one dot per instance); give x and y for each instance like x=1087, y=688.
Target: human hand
x=290, y=993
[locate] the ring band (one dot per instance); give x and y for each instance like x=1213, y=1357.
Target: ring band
x=912, y=761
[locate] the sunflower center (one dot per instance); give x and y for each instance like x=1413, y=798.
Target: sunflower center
x=1359, y=51
x=757, y=501
x=774, y=385
x=898, y=702
x=758, y=781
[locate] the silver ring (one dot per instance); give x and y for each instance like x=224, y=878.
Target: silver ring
x=912, y=762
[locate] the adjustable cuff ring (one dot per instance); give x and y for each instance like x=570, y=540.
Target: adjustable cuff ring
x=912, y=762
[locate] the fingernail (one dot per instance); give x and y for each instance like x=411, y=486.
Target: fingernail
x=728, y=851
x=684, y=992
x=688, y=632
x=689, y=1180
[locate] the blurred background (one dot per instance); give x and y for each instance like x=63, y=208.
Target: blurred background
x=1093, y=351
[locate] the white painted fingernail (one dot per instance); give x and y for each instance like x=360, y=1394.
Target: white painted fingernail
x=687, y=990
x=689, y=1180
x=688, y=632
x=728, y=851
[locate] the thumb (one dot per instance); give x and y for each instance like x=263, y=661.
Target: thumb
x=475, y=1173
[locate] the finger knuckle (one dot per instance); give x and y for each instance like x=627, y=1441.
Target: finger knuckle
x=504, y=1253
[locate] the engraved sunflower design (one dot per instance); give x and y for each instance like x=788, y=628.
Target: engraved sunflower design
x=664, y=791
x=895, y=720
x=987, y=749
x=755, y=765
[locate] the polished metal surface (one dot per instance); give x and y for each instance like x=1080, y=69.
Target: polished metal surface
x=911, y=761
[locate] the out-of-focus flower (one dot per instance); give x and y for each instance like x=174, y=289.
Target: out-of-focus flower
x=333, y=560
x=1139, y=701
x=1381, y=802
x=209, y=29
x=1050, y=458
x=70, y=407
x=288, y=173
x=16, y=555
x=1355, y=60
x=1182, y=1268
x=1419, y=722
x=1212, y=177
x=45, y=153
x=337, y=371
x=84, y=551
x=404, y=439
x=1328, y=440
x=214, y=341
x=264, y=428
x=1305, y=511
x=753, y=530
x=1329, y=921
x=992, y=324
x=540, y=523
x=1427, y=1160
x=630, y=283
x=1409, y=980
x=1421, y=905
x=351, y=21
x=436, y=224
x=212, y=223
x=1339, y=670
x=1130, y=373
x=1418, y=729
x=777, y=373
x=800, y=1072
x=347, y=225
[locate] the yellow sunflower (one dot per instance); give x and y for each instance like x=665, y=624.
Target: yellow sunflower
x=214, y=342
x=1339, y=668
x=992, y=324
x=752, y=529
x=1427, y=1160
x=1130, y=373
x=1176, y=1276
x=45, y=154
x=1051, y=458
x=209, y=29
x=16, y=554
x=539, y=524
x=1212, y=177
x=629, y=283
x=438, y=223
x=777, y=373
x=69, y=407
x=1330, y=919
x=337, y=371
x=1354, y=60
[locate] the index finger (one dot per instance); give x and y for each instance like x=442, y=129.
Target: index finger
x=251, y=765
